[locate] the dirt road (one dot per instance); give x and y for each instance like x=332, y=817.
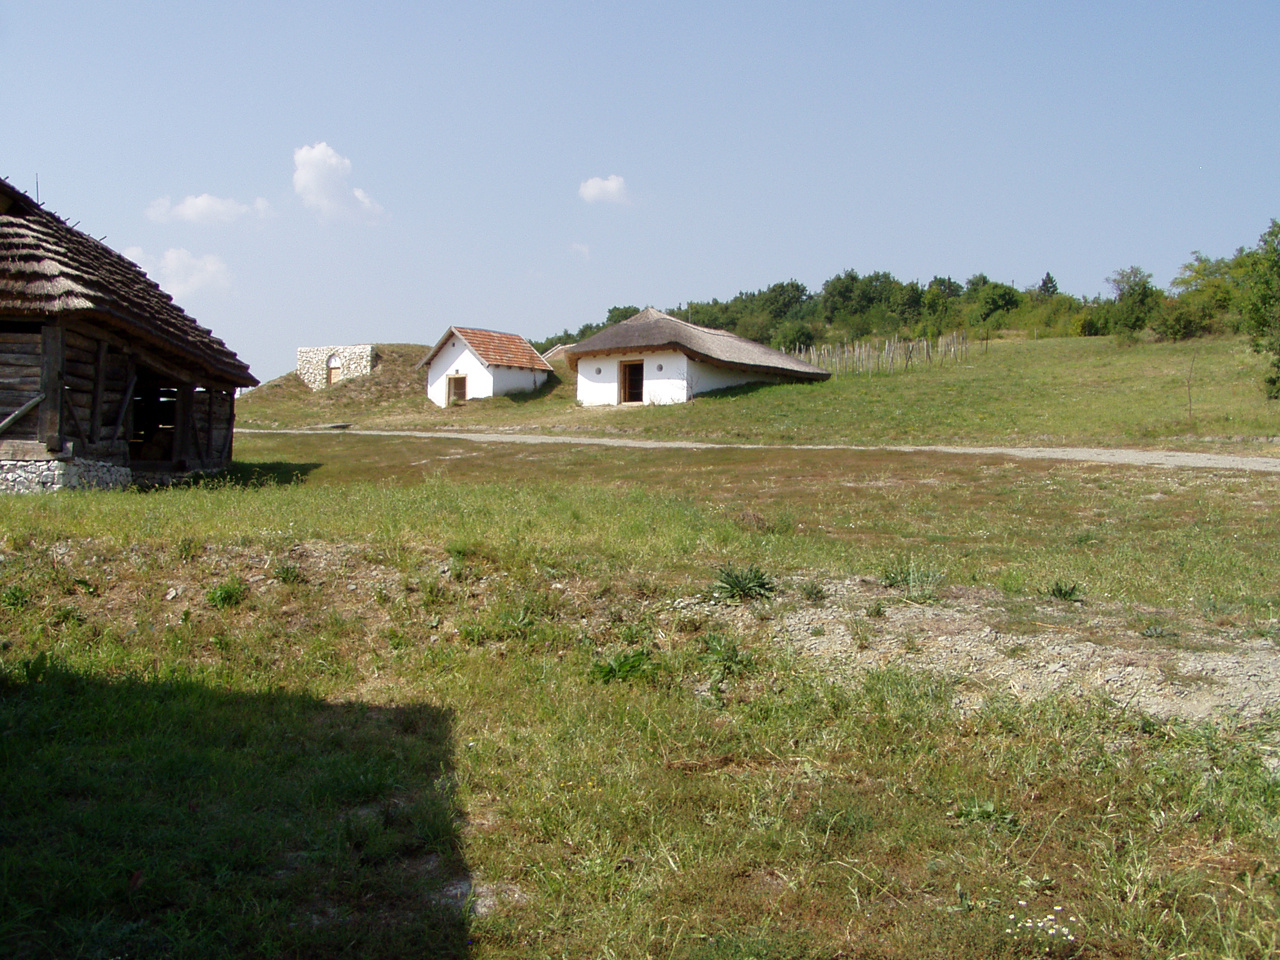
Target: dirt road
x=1169, y=459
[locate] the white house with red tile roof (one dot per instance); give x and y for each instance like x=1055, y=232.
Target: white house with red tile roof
x=470, y=364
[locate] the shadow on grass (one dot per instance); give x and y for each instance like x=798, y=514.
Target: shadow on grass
x=145, y=818
x=274, y=473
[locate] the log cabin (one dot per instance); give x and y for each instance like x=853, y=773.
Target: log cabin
x=104, y=380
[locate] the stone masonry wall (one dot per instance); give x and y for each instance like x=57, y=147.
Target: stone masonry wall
x=354, y=361
x=39, y=476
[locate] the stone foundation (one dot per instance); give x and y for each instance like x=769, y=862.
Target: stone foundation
x=314, y=363
x=39, y=476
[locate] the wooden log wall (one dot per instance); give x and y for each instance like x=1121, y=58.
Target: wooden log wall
x=95, y=377
x=63, y=383
x=212, y=416
x=19, y=382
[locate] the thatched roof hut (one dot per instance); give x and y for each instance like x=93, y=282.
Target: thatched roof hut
x=653, y=357
x=102, y=375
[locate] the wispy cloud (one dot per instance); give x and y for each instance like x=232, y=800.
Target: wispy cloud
x=581, y=249
x=180, y=272
x=612, y=189
x=204, y=209
x=320, y=180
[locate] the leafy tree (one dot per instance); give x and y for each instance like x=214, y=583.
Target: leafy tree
x=995, y=297
x=1262, y=303
x=618, y=314
x=940, y=297
x=974, y=284
x=1138, y=301
x=1182, y=318
x=793, y=335
x=908, y=301
x=782, y=298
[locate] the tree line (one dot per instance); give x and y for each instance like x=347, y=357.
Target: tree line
x=1236, y=294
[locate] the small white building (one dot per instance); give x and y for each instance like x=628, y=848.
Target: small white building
x=656, y=358
x=470, y=364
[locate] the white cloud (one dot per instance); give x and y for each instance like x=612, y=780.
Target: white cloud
x=204, y=209
x=320, y=180
x=612, y=189
x=180, y=272
x=581, y=249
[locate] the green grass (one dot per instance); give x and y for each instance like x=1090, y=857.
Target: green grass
x=454, y=665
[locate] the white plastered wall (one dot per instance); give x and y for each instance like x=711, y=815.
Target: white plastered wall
x=598, y=378
x=516, y=380
x=705, y=377
x=679, y=378
x=457, y=359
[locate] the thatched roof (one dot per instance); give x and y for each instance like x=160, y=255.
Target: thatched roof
x=651, y=330
x=556, y=352
x=493, y=348
x=49, y=269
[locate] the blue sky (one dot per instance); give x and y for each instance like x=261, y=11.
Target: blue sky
x=323, y=173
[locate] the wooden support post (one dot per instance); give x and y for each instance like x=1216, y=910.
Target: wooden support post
x=49, y=432
x=125, y=402
x=184, y=422
x=99, y=384
x=70, y=407
x=209, y=396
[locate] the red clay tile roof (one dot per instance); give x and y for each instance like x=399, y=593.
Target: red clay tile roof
x=495, y=349
x=48, y=269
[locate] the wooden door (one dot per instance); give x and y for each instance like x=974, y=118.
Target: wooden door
x=631, y=382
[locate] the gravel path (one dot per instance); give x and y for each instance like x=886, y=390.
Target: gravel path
x=1167, y=666
x=1169, y=459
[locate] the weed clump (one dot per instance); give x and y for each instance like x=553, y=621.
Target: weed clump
x=625, y=665
x=1061, y=590
x=742, y=584
x=230, y=593
x=813, y=591
x=289, y=573
x=724, y=657
x=15, y=597
x=918, y=578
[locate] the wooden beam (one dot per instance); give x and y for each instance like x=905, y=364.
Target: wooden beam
x=21, y=412
x=50, y=429
x=124, y=405
x=99, y=384
x=27, y=450
x=184, y=422
x=70, y=407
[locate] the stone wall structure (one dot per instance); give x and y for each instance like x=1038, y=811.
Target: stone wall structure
x=320, y=367
x=42, y=476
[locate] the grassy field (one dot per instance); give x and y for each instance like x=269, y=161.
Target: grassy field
x=1074, y=391
x=382, y=697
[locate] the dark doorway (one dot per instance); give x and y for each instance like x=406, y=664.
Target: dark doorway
x=631, y=382
x=457, y=389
